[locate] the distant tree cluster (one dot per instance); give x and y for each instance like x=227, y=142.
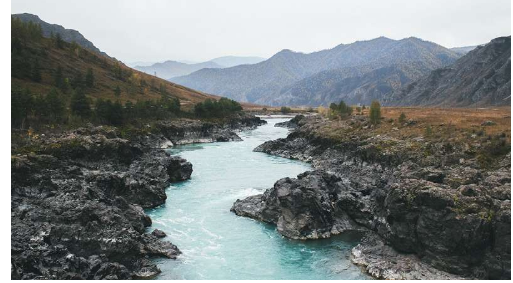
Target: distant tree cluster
x=341, y=109
x=216, y=109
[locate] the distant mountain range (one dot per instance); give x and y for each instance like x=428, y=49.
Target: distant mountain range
x=464, y=50
x=480, y=78
x=68, y=35
x=356, y=72
x=170, y=69
x=231, y=61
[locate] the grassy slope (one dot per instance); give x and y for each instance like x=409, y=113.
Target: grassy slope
x=74, y=59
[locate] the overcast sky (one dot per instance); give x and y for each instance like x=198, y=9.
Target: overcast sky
x=197, y=30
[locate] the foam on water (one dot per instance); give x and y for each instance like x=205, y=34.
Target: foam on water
x=217, y=244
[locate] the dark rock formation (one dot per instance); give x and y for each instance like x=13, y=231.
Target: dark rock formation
x=445, y=209
x=292, y=123
x=77, y=208
x=158, y=233
x=383, y=262
x=77, y=201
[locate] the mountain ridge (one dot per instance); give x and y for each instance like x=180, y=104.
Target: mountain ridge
x=482, y=77
x=264, y=82
x=68, y=35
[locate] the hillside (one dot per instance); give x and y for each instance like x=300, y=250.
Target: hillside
x=36, y=62
x=169, y=69
x=480, y=78
x=268, y=82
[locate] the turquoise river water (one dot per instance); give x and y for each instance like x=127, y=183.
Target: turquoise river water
x=217, y=244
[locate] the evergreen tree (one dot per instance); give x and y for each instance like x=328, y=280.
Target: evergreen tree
x=59, y=43
x=40, y=108
x=375, y=112
x=58, y=77
x=402, y=118
x=55, y=105
x=117, y=91
x=36, y=72
x=80, y=104
x=89, y=78
x=21, y=107
x=116, y=113
x=77, y=81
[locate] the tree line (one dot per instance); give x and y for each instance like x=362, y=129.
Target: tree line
x=58, y=108
x=28, y=109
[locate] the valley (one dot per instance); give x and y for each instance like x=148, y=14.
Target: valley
x=380, y=158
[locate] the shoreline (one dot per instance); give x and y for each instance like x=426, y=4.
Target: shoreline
x=413, y=208
x=77, y=198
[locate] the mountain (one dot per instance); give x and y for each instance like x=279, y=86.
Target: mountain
x=480, y=78
x=464, y=50
x=353, y=85
x=169, y=69
x=68, y=35
x=139, y=63
x=37, y=61
x=273, y=82
x=231, y=61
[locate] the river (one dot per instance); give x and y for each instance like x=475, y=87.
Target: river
x=217, y=244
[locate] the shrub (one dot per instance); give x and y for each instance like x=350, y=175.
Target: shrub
x=285, y=110
x=341, y=109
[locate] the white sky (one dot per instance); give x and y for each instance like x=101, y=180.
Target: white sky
x=198, y=30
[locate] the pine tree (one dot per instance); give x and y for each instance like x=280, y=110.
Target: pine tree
x=58, y=78
x=36, y=72
x=21, y=107
x=80, y=104
x=375, y=112
x=59, y=43
x=89, y=78
x=55, y=105
x=402, y=118
x=77, y=81
x=117, y=91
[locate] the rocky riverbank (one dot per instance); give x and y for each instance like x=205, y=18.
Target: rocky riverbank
x=77, y=197
x=432, y=207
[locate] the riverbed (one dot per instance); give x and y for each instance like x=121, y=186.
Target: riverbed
x=217, y=244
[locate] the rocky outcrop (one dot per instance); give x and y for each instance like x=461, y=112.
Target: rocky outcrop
x=383, y=262
x=77, y=208
x=77, y=201
x=292, y=123
x=426, y=198
x=186, y=131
